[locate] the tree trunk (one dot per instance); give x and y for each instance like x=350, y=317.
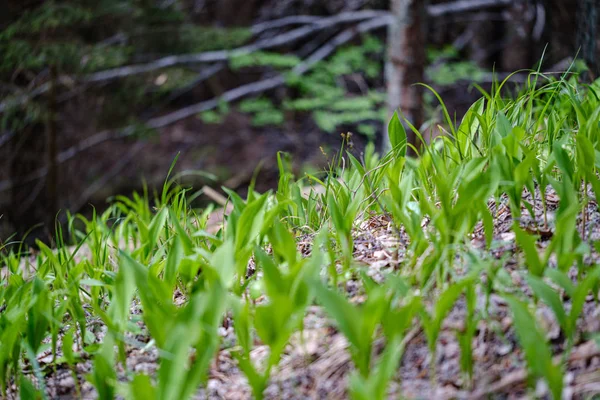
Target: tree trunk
x=518, y=46
x=587, y=29
x=405, y=63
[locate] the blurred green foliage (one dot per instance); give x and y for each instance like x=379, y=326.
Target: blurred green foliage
x=324, y=92
x=84, y=36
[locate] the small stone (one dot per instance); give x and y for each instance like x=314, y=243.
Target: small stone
x=504, y=349
x=67, y=382
x=46, y=359
x=541, y=389
x=379, y=255
x=506, y=323
x=569, y=378
x=213, y=385
x=507, y=236
x=568, y=393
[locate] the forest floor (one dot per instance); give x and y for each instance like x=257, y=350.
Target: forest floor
x=316, y=362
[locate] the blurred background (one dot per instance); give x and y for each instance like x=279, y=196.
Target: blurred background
x=98, y=97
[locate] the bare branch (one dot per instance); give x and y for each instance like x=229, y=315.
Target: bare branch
x=20, y=100
x=224, y=55
x=342, y=38
x=229, y=96
x=438, y=10
x=314, y=24
x=43, y=88
x=215, y=196
x=283, y=22
x=203, y=75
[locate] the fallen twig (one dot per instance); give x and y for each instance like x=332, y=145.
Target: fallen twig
x=214, y=195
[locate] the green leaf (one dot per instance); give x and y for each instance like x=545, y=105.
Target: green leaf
x=154, y=231
x=551, y=298
x=561, y=279
x=467, y=130
x=442, y=307
x=174, y=257
x=141, y=388
x=581, y=293
x=27, y=390
x=503, y=125
x=223, y=262
x=241, y=318
x=186, y=242
x=250, y=222
x=537, y=352
x=274, y=280
x=563, y=160
x=103, y=375
x=272, y=321
x=123, y=290
x=397, y=320
x=67, y=346
x=337, y=216
x=488, y=225
x=528, y=245
x=465, y=338
x=283, y=243
x=397, y=135
x=346, y=317
x=258, y=382
x=375, y=386
x=585, y=154
x=37, y=315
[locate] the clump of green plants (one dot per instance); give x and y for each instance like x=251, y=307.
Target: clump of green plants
x=152, y=275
